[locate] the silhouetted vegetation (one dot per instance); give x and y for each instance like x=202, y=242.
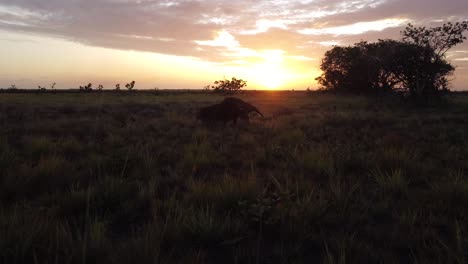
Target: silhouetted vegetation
x=228, y=86
x=87, y=88
x=44, y=89
x=131, y=178
x=130, y=86
x=416, y=65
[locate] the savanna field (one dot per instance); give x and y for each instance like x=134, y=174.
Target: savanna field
x=123, y=177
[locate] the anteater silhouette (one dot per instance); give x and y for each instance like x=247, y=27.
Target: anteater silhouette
x=230, y=109
x=244, y=108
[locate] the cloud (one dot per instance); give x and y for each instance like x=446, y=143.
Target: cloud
x=356, y=28
x=223, y=30
x=223, y=39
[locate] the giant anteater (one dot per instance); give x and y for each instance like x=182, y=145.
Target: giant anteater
x=230, y=109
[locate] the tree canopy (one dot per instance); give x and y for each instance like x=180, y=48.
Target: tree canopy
x=229, y=86
x=416, y=65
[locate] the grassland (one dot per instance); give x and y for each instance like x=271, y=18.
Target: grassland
x=132, y=178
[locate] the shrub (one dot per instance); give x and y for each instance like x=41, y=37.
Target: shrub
x=130, y=86
x=86, y=88
x=229, y=86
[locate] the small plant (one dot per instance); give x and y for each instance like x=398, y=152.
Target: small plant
x=13, y=87
x=100, y=87
x=156, y=90
x=117, y=87
x=130, y=86
x=52, y=86
x=393, y=181
x=86, y=88
x=41, y=88
x=229, y=86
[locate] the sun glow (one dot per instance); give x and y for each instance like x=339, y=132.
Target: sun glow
x=266, y=69
x=270, y=73
x=269, y=76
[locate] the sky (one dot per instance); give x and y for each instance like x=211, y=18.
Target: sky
x=187, y=44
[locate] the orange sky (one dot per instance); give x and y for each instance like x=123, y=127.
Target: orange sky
x=184, y=44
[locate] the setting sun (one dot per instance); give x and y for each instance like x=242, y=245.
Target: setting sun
x=270, y=73
x=269, y=76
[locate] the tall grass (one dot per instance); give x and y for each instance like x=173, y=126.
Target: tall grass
x=133, y=178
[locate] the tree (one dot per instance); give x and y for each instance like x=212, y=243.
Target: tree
x=419, y=71
x=86, y=88
x=416, y=65
x=440, y=39
x=362, y=68
x=429, y=72
x=130, y=86
x=229, y=86
x=408, y=67
x=349, y=69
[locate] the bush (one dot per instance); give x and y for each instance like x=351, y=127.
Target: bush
x=86, y=88
x=130, y=86
x=229, y=86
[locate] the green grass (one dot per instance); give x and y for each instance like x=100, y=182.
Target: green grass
x=133, y=178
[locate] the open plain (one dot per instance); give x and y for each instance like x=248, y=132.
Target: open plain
x=107, y=177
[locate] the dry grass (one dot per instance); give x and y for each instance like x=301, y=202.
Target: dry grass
x=132, y=178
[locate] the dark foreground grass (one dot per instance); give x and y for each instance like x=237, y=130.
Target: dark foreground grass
x=132, y=178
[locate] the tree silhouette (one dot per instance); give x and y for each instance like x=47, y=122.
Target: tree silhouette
x=416, y=65
x=440, y=39
x=229, y=86
x=130, y=86
x=86, y=88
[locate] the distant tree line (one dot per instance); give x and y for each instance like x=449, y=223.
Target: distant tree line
x=416, y=64
x=89, y=87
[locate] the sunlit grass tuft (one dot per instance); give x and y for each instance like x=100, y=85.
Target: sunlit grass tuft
x=393, y=181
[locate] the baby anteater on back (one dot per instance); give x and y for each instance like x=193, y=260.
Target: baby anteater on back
x=230, y=109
